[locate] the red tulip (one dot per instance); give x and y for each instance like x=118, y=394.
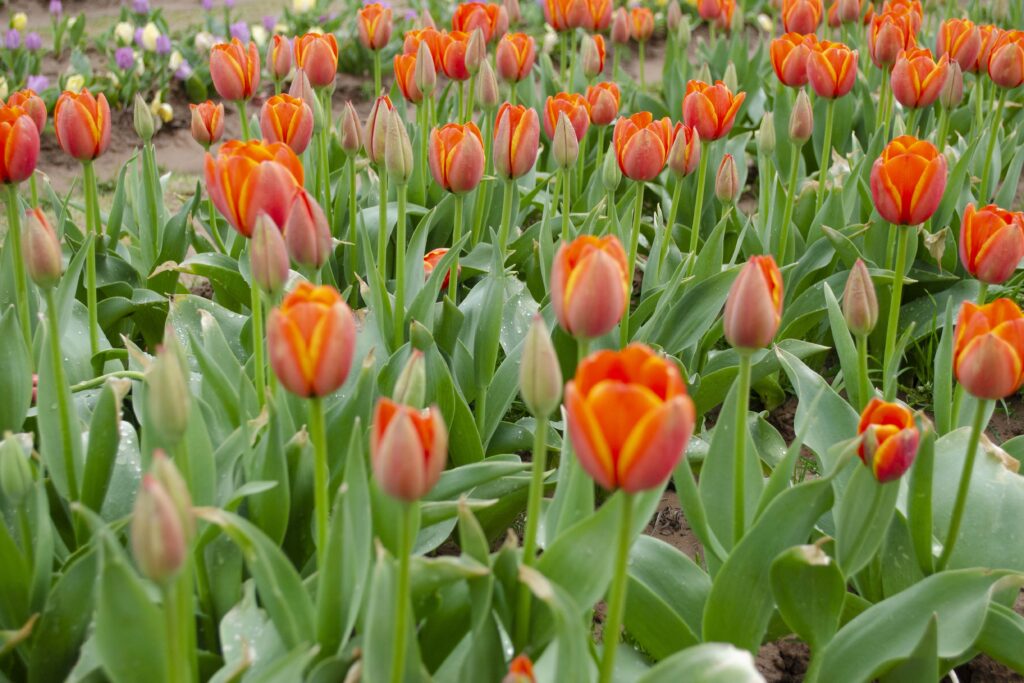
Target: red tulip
x=711, y=109
x=988, y=351
x=432, y=37
x=832, y=69
x=317, y=55
x=889, y=35
x=516, y=140
x=753, y=308
x=641, y=145
x=889, y=439
x=789, y=55
x=576, y=109
x=515, y=56
x=556, y=13
x=235, y=70
x=430, y=261
x=908, y=181
x=82, y=124
x=589, y=285
x=991, y=243
x=492, y=19
x=408, y=449
x=32, y=104
x=456, y=156
x=19, y=142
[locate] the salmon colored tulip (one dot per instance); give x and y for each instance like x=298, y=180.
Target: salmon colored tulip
x=207, y=122
x=492, y=19
x=515, y=55
x=1006, y=61
x=453, y=55
x=620, y=26
x=911, y=8
x=641, y=145
x=317, y=55
x=801, y=16
x=311, y=338
x=832, y=69
x=888, y=439
x=592, y=56
x=556, y=13
x=991, y=243
x=989, y=35
x=32, y=104
x=641, y=24
x=843, y=12
x=408, y=449
x=82, y=124
x=456, y=156
x=988, y=352
x=432, y=37
x=249, y=178
x=711, y=109
x=917, y=79
x=888, y=35
x=374, y=25
x=375, y=132
x=960, y=39
x=710, y=10
x=306, y=233
x=753, y=308
x=684, y=154
x=604, y=99
x=589, y=285
x=430, y=261
x=590, y=15
x=287, y=119
x=789, y=54
x=279, y=57
x=516, y=140
x=629, y=417
x=576, y=109
x=235, y=70
x=405, y=72
x=724, y=20
x=19, y=142
x=908, y=181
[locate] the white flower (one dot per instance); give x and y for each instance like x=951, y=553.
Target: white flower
x=204, y=41
x=75, y=83
x=150, y=33
x=19, y=21
x=302, y=5
x=3, y=88
x=175, y=60
x=316, y=29
x=259, y=34
x=165, y=112
x=124, y=32
x=765, y=23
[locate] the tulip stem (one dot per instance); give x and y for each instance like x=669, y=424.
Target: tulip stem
x=599, y=166
x=324, y=142
x=894, y=312
x=634, y=243
x=211, y=211
x=506, y=217
x=93, y=228
x=643, y=76
x=617, y=592
x=826, y=155
x=581, y=164
x=884, y=100
x=101, y=380
x=965, y=482
x=986, y=172
x=561, y=61
x=667, y=237
x=698, y=207
x=453, y=282
x=20, y=279
x=402, y=593
x=471, y=96
x=376, y=74
x=863, y=379
x=382, y=223
x=353, y=237
x=940, y=140
x=321, y=477
x=63, y=409
x=566, y=203
x=787, y=212
x=739, y=510
x=256, y=308
x=400, y=268
x=34, y=189
x=982, y=293
x=422, y=113
x=152, y=183
x=243, y=116
x=539, y=465
x=175, y=647
x=615, y=62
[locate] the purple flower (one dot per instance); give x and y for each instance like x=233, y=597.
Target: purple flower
x=230, y=4
x=140, y=6
x=269, y=22
x=56, y=8
x=410, y=15
x=124, y=57
x=138, y=36
x=163, y=44
x=33, y=41
x=240, y=30
x=12, y=41
x=207, y=4
x=184, y=71
x=38, y=83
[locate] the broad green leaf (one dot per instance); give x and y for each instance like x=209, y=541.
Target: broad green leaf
x=104, y=439
x=60, y=432
x=15, y=374
x=62, y=628
x=923, y=664
x=567, y=656
x=809, y=590
x=865, y=510
x=706, y=663
x=1002, y=635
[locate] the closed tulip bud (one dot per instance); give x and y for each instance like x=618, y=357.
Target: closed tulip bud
x=730, y=79
x=540, y=376
x=889, y=439
x=860, y=303
x=306, y=233
x=753, y=308
x=516, y=140
x=408, y=449
x=991, y=243
x=317, y=55
x=411, y=385
x=673, y=15
x=848, y=10
x=476, y=51
x=142, y=117
x=235, y=70
x=832, y=69
x=168, y=476
x=592, y=60
x=952, y=93
x=42, y=254
x=801, y=119
x=487, y=95
x=207, y=123
x=425, y=73
x=520, y=671
x=988, y=350
x=515, y=14
x=684, y=33
x=565, y=149
x=168, y=399
x=611, y=174
x=375, y=130
x=620, y=26
x=727, y=181
x=589, y=285
x=157, y=537
x=684, y=155
x=279, y=57
x=604, y=99
x=351, y=135
x=302, y=89
x=15, y=474
x=268, y=257
x=1006, y=60
x=766, y=134
x=917, y=79
x=398, y=150
x=642, y=144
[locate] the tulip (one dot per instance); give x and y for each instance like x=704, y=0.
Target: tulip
x=317, y=55
x=374, y=24
x=801, y=16
x=453, y=55
x=456, y=156
x=375, y=130
x=565, y=150
x=711, y=109
x=279, y=58
x=604, y=100
x=860, y=303
x=408, y=449
x=590, y=285
x=476, y=51
x=398, y=150
x=556, y=14
x=434, y=42
x=989, y=35
x=157, y=537
x=487, y=94
x=42, y=254
x=32, y=104
x=592, y=55
x=991, y=243
x=268, y=257
x=727, y=181
x=520, y=671
x=424, y=76
x=287, y=119
x=673, y=16
x=351, y=130
x=952, y=93
x=82, y=124
x=888, y=439
x=168, y=399
x=960, y=39
x=753, y=308
x=890, y=34
x=430, y=261
x=620, y=26
x=801, y=120
x=512, y=10
x=832, y=69
x=641, y=24
x=515, y=56
x=142, y=118
x=642, y=145
x=411, y=385
x=765, y=135
x=789, y=55
x=1006, y=60
x=19, y=142
x=908, y=181
x=590, y=15
x=405, y=70
x=611, y=174
x=235, y=70
x=306, y=233
x=988, y=351
x=302, y=89
x=249, y=178
x=710, y=10
x=917, y=79
x=540, y=376
x=844, y=12
x=516, y=141
x=574, y=106
x=489, y=18
x=685, y=151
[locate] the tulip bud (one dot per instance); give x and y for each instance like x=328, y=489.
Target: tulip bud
x=268, y=257
x=143, y=119
x=408, y=449
x=515, y=15
x=398, y=150
x=15, y=473
x=860, y=304
x=684, y=154
x=673, y=15
x=590, y=57
x=419, y=336
x=427, y=19
x=425, y=74
x=565, y=149
x=520, y=671
x=540, y=376
x=801, y=119
x=306, y=233
x=487, y=94
x=611, y=174
x=158, y=540
x=168, y=400
x=704, y=74
x=766, y=134
x=303, y=89
x=753, y=308
x=727, y=182
x=375, y=130
x=351, y=131
x=41, y=251
x=952, y=93
x=848, y=11
x=168, y=476
x=411, y=385
x=684, y=33
x=620, y=26
x=476, y=51
x=730, y=79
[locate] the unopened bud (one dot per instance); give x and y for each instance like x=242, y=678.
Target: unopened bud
x=158, y=540
x=419, y=336
x=684, y=154
x=684, y=33
x=351, y=130
x=848, y=11
x=425, y=73
x=168, y=400
x=540, y=376
x=565, y=148
x=704, y=73
x=515, y=15
x=730, y=78
x=860, y=303
x=673, y=15
x=143, y=118
x=476, y=51
x=41, y=252
x=801, y=119
x=611, y=174
x=620, y=26
x=165, y=472
x=427, y=19
x=398, y=150
x=411, y=385
x=306, y=233
x=303, y=90
x=15, y=473
x=268, y=256
x=766, y=135
x=952, y=93
x=727, y=182
x=590, y=57
x=487, y=94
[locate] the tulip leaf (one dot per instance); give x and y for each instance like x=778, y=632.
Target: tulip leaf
x=865, y=510
x=1002, y=635
x=378, y=633
x=809, y=590
x=845, y=348
x=942, y=397
x=685, y=319
x=60, y=435
x=250, y=641
x=706, y=663
x=62, y=628
x=222, y=272
x=104, y=439
x=464, y=440
x=568, y=655
x=923, y=664
x=15, y=374
x=267, y=462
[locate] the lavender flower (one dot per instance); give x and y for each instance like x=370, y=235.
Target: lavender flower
x=410, y=15
x=56, y=8
x=140, y=6
x=183, y=72
x=240, y=30
x=138, y=36
x=163, y=44
x=230, y=4
x=12, y=41
x=269, y=22
x=207, y=4
x=33, y=41
x=38, y=83
x=124, y=57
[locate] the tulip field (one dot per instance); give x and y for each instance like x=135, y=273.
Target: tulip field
x=569, y=341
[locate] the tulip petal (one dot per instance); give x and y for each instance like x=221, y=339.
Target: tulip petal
x=587, y=439
x=655, y=445
x=595, y=300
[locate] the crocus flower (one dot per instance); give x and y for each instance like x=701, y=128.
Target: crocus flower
x=711, y=109
x=408, y=449
x=908, y=180
x=140, y=6
x=888, y=439
x=988, y=351
x=37, y=82
x=991, y=243
x=589, y=285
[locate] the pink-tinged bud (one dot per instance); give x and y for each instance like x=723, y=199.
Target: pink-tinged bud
x=540, y=376
x=279, y=57
x=952, y=93
x=684, y=154
x=889, y=439
x=425, y=73
x=375, y=130
x=168, y=476
x=158, y=541
x=727, y=181
x=991, y=243
x=860, y=303
x=1006, y=61
x=673, y=15
x=476, y=51
x=306, y=232
x=41, y=251
x=168, y=399
x=604, y=99
x=351, y=135
x=565, y=149
x=268, y=257
x=801, y=119
x=520, y=671
x=848, y=11
x=411, y=385
x=16, y=481
x=487, y=94
x=589, y=286
x=516, y=140
x=408, y=449
x=515, y=15
x=303, y=89
x=398, y=150
x=753, y=308
x=620, y=26
x=207, y=123
x=592, y=56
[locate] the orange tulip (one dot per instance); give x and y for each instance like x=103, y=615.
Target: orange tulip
x=917, y=79
x=19, y=142
x=556, y=13
x=629, y=417
x=589, y=285
x=789, y=55
x=724, y=19
x=604, y=100
x=641, y=145
x=991, y=243
x=801, y=16
x=317, y=55
x=684, y=153
x=32, y=104
x=453, y=55
x=988, y=352
x=375, y=132
x=832, y=69
x=711, y=109
x=456, y=156
x=889, y=439
x=311, y=338
x=960, y=39
x=710, y=10
x=641, y=23
x=432, y=37
x=753, y=308
x=590, y=15
x=911, y=8
x=576, y=109
x=430, y=261
x=520, y=671
x=908, y=181
x=408, y=449
x=492, y=19
x=207, y=122
x=843, y=12
x=889, y=34
x=620, y=26
x=279, y=57
x=235, y=70
x=405, y=71
x=516, y=140
x=287, y=119
x=82, y=124
x=1006, y=61
x=515, y=55
x=989, y=35
x=250, y=178
x=374, y=24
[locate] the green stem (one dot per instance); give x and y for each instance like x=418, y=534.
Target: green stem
x=891, y=331
x=93, y=228
x=506, y=216
x=382, y=223
x=453, y=281
x=353, y=238
x=243, y=115
x=826, y=155
x=634, y=243
x=581, y=160
x=151, y=183
x=698, y=207
x=20, y=279
x=99, y=381
x=212, y=216
x=863, y=379
x=643, y=76
x=566, y=203
x=533, y=506
x=402, y=597
x=562, y=59
x=986, y=172
x=940, y=140
x=599, y=165
x=422, y=112
x=739, y=510
x=982, y=293
x=376, y=74
x=63, y=408
x=256, y=309
x=176, y=663
x=884, y=114
x=400, y=268
x=615, y=63
x=462, y=96
x=321, y=477
x=965, y=483
x=35, y=190
x=324, y=143
x=617, y=592
x=787, y=212
x=470, y=98
x=670, y=224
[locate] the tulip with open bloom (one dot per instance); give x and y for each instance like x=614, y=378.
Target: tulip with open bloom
x=576, y=109
x=590, y=286
x=801, y=16
x=917, y=78
x=453, y=55
x=514, y=56
x=604, y=99
x=991, y=243
x=516, y=140
x=556, y=13
x=888, y=439
x=33, y=105
x=408, y=448
x=207, y=122
x=19, y=142
x=908, y=181
x=789, y=54
x=374, y=25
x=317, y=55
x=287, y=119
x=1006, y=61
x=491, y=18
x=753, y=308
x=430, y=36
x=989, y=35
x=831, y=69
x=711, y=109
x=641, y=145
x=590, y=15
x=629, y=417
x=235, y=70
x=430, y=261
x=684, y=153
x=456, y=156
x=960, y=39
x=82, y=124
x=988, y=352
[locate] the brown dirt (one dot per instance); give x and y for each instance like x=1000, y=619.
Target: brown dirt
x=784, y=661
x=669, y=524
